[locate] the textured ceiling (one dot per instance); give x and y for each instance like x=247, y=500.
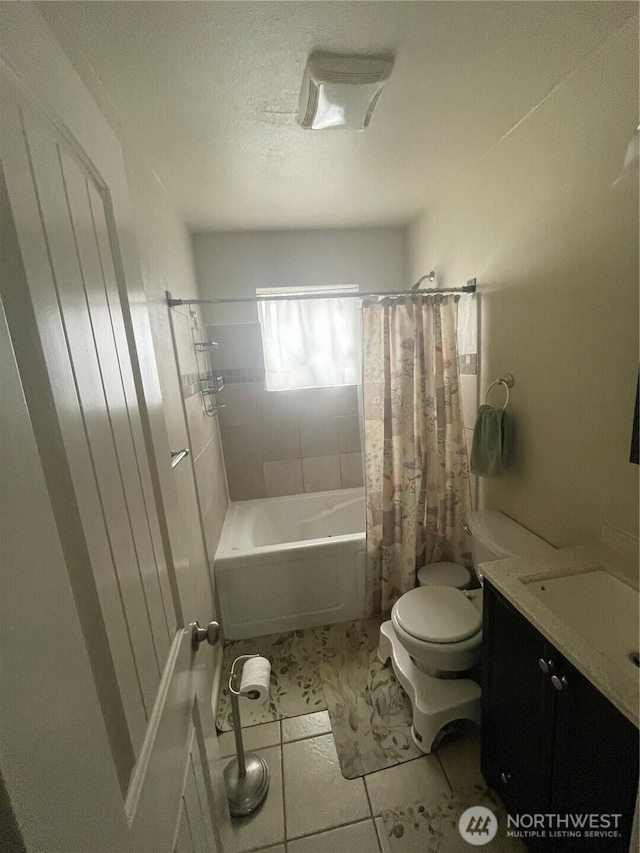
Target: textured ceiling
x=210, y=91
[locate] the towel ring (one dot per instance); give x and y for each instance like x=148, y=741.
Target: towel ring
x=507, y=382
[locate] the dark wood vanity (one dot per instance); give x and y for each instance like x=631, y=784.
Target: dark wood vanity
x=551, y=742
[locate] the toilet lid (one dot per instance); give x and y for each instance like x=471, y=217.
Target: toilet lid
x=437, y=614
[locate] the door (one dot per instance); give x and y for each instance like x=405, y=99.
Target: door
x=596, y=759
x=518, y=707
x=135, y=762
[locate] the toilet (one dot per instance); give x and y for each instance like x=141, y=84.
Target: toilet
x=434, y=635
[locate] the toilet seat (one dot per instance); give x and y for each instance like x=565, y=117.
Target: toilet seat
x=437, y=614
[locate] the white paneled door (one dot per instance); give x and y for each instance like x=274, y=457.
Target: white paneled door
x=104, y=725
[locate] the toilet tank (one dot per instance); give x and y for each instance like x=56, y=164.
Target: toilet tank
x=496, y=537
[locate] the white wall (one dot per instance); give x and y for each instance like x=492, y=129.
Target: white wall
x=555, y=250
x=167, y=259
x=235, y=264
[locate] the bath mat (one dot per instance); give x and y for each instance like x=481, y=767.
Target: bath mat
x=296, y=686
x=433, y=827
x=370, y=712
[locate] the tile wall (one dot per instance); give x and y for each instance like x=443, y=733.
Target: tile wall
x=281, y=442
x=469, y=394
x=203, y=430
x=468, y=334
x=289, y=442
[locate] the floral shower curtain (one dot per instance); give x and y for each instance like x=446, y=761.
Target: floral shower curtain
x=417, y=475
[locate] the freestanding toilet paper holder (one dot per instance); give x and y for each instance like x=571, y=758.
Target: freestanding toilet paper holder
x=247, y=776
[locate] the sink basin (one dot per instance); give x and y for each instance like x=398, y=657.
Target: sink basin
x=598, y=607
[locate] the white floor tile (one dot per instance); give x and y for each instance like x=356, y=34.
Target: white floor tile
x=265, y=827
x=460, y=757
x=355, y=838
x=383, y=840
x=307, y=725
x=317, y=796
x=253, y=737
x=394, y=787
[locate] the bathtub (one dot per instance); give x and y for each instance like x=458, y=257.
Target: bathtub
x=291, y=562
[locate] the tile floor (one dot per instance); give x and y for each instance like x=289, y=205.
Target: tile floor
x=312, y=808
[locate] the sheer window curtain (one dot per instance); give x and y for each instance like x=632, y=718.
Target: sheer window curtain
x=311, y=343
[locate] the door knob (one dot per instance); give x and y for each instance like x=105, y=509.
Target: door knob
x=198, y=635
x=505, y=777
x=546, y=665
x=559, y=683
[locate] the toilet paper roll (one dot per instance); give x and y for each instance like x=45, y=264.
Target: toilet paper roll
x=256, y=673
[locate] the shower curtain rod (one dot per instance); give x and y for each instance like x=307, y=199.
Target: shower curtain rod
x=469, y=287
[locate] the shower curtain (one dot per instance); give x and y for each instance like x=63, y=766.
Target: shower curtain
x=416, y=470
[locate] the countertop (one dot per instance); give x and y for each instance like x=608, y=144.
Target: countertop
x=507, y=577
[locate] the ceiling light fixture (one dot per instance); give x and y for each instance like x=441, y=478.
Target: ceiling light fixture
x=340, y=92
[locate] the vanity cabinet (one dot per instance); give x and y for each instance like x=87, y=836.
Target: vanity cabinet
x=551, y=742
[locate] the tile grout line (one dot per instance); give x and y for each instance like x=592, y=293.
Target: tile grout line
x=306, y=737
x=366, y=791
x=281, y=740
x=373, y=817
x=206, y=445
x=337, y=826
x=284, y=804
x=378, y=835
x=446, y=775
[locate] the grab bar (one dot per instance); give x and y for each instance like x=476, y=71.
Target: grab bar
x=178, y=455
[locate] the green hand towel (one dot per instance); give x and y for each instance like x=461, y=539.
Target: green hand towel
x=492, y=441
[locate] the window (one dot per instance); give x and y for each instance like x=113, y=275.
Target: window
x=310, y=343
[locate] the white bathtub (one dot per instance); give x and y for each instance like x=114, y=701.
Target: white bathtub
x=291, y=562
